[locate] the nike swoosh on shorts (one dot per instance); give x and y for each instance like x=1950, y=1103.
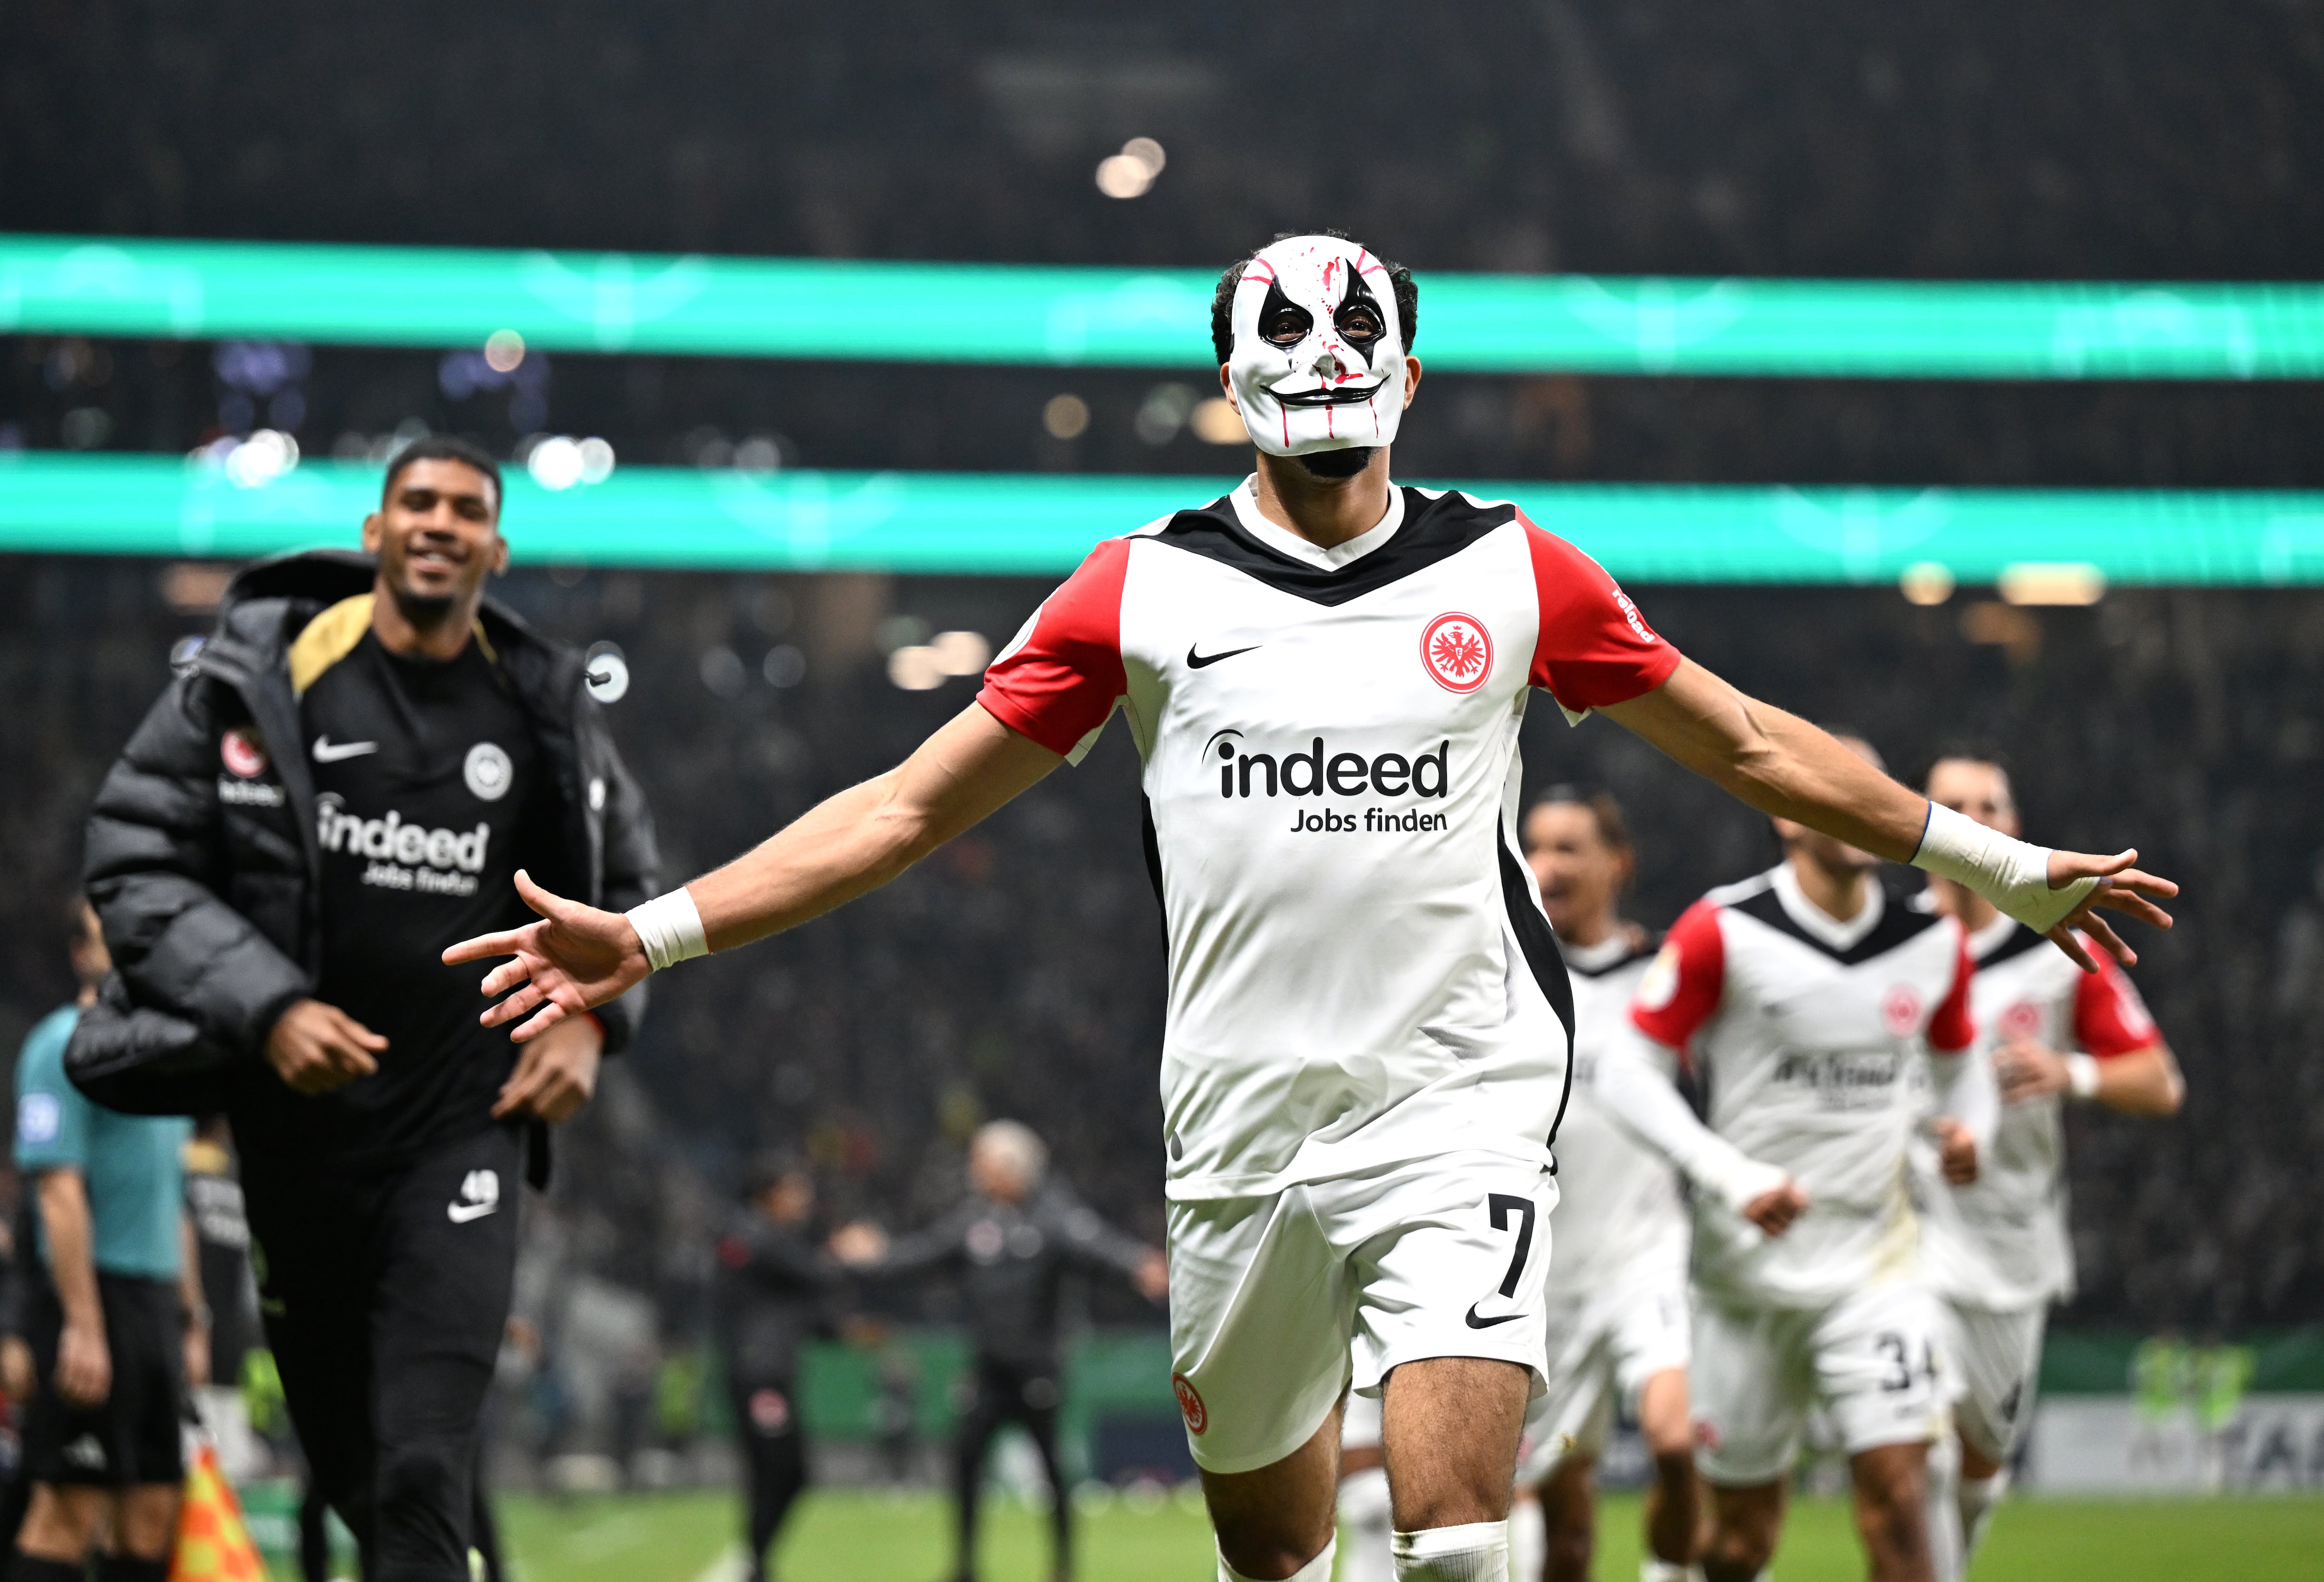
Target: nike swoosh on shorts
x=461, y=1213
x=328, y=752
x=1195, y=662
x=1474, y=1322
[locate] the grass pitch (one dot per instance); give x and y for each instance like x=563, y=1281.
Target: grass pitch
x=851, y=1537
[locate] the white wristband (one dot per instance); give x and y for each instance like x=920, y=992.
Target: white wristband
x=2011, y=873
x=2083, y=1075
x=670, y=928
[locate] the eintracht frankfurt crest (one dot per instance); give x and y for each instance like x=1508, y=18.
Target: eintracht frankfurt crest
x=1457, y=652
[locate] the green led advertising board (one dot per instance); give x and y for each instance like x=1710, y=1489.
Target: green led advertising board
x=1158, y=318
x=1042, y=524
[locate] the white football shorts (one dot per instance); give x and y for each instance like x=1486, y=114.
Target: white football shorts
x=1873, y=1360
x=1603, y=1345
x=1278, y=1302
x=1996, y=1365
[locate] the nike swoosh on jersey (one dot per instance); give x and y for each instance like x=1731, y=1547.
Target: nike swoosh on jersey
x=326, y=751
x=461, y=1213
x=1195, y=662
x=1474, y=1322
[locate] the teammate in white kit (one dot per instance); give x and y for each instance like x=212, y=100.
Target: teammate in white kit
x=1816, y=1012
x=1368, y=1021
x=1618, y=1307
x=1999, y=1252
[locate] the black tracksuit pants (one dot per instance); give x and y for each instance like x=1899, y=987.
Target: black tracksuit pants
x=385, y=1294
x=1027, y=1394
x=774, y=1461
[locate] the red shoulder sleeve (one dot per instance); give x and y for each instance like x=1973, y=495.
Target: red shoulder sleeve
x=1595, y=648
x=1953, y=1027
x=1061, y=678
x=1683, y=986
x=2110, y=1019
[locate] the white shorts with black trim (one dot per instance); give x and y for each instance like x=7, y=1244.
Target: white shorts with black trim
x=1278, y=1303
x=1603, y=1345
x=1996, y=1365
x=1873, y=1361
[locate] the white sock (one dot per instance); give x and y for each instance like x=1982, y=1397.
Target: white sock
x=1651, y=1569
x=1367, y=1526
x=1528, y=1540
x=1948, y=1562
x=1318, y=1570
x=1976, y=1502
x=1478, y=1552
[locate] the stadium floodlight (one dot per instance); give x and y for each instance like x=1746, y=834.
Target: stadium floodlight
x=505, y=301
x=2034, y=541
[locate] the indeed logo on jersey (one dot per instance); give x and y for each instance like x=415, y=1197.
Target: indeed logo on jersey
x=1319, y=771
x=406, y=857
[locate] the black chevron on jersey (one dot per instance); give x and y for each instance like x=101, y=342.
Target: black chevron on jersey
x=2017, y=942
x=1898, y=922
x=1538, y=941
x=1432, y=531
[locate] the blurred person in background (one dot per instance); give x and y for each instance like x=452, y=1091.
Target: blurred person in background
x=1010, y=1244
x=1618, y=1281
x=19, y=1268
x=1820, y=1016
x=772, y=1296
x=118, y=1329
x=343, y=780
x=1999, y=1251
x=222, y=1246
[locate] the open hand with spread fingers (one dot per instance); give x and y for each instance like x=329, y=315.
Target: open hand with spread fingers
x=573, y=960
x=2121, y=888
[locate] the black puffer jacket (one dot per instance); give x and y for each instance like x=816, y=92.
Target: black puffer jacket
x=208, y=885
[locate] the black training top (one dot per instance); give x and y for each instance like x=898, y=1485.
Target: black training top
x=428, y=787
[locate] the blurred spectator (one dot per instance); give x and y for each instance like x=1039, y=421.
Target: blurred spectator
x=1010, y=1245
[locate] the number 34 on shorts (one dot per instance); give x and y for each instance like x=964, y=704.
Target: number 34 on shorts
x=1278, y=1302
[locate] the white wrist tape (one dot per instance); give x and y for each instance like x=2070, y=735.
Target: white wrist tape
x=2083, y=1075
x=2011, y=873
x=670, y=928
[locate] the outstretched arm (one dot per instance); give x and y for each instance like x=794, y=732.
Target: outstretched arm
x=577, y=956
x=1634, y=1086
x=1789, y=769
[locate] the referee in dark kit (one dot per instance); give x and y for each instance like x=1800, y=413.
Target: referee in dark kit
x=344, y=780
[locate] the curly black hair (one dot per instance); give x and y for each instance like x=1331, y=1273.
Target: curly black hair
x=1399, y=280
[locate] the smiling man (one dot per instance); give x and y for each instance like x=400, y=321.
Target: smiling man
x=340, y=784
x=1369, y=1025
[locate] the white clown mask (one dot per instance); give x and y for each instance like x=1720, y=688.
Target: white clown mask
x=1317, y=362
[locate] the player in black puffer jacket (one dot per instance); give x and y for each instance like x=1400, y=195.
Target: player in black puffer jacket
x=343, y=781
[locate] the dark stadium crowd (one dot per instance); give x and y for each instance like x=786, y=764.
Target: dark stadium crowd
x=1663, y=136
x=1019, y=972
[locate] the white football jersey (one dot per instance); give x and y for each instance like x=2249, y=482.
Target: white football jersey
x=2003, y=1244
x=1618, y=1200
x=1360, y=971
x=1810, y=1036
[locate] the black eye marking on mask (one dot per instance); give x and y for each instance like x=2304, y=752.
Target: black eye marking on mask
x=1276, y=304
x=1359, y=321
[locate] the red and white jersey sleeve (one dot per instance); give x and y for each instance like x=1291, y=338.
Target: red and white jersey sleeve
x=2110, y=1019
x=1683, y=987
x=1059, y=680
x=1593, y=648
